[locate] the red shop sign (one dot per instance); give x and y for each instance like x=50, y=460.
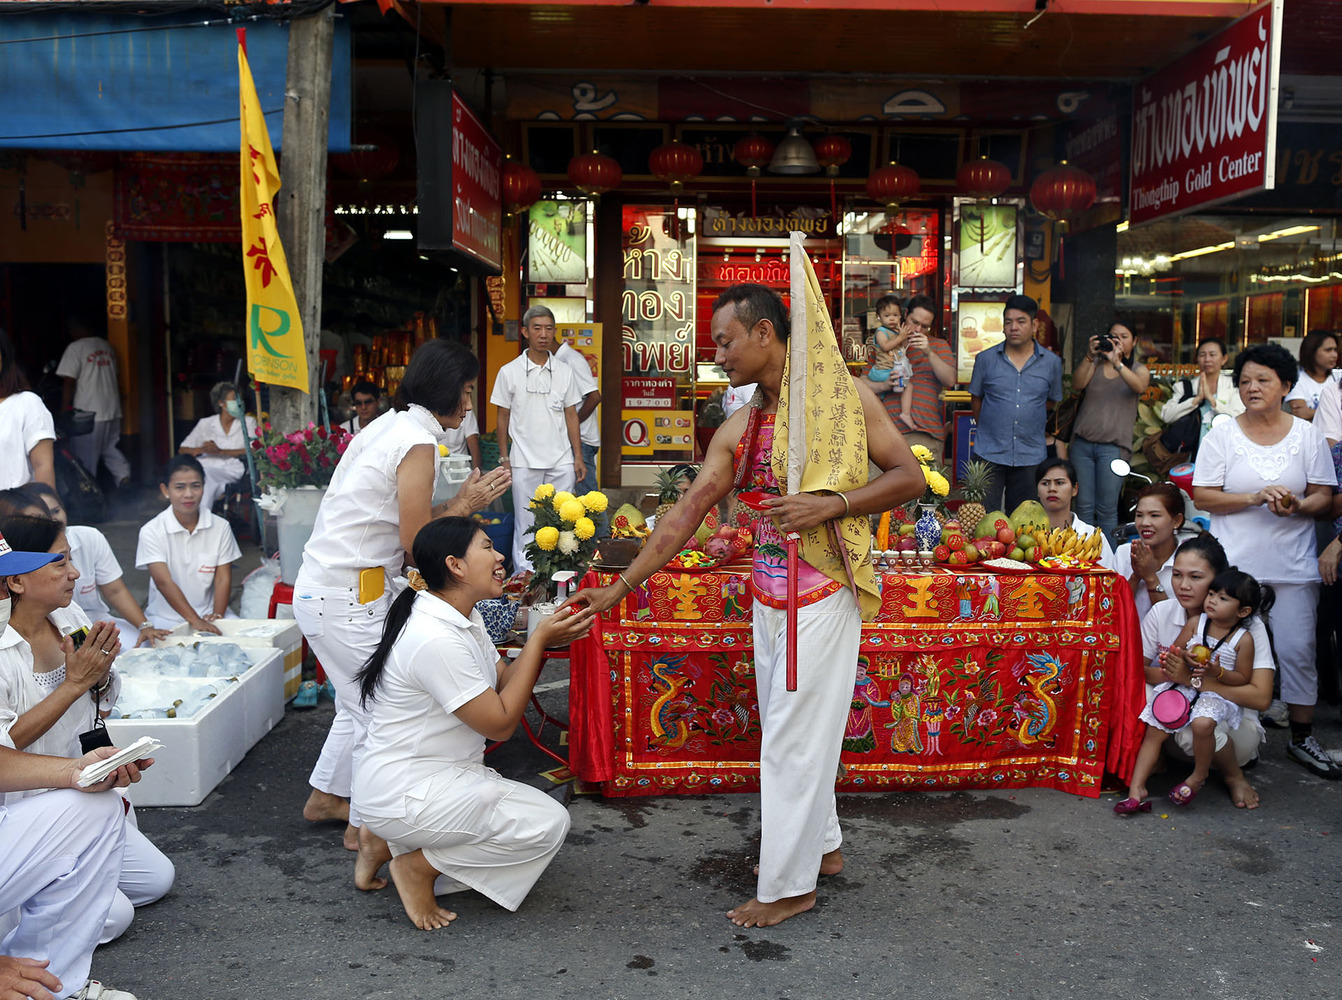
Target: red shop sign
x=649, y=393
x=1204, y=128
x=477, y=169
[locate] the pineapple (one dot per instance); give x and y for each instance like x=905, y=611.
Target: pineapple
x=668, y=489
x=978, y=476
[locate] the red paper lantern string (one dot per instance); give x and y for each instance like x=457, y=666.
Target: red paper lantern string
x=1060, y=193
x=832, y=152
x=521, y=187
x=983, y=179
x=891, y=185
x=754, y=153
x=675, y=163
x=594, y=174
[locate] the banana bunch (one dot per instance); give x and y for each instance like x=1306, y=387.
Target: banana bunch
x=639, y=531
x=1067, y=543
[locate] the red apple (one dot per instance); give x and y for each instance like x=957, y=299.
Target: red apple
x=1006, y=536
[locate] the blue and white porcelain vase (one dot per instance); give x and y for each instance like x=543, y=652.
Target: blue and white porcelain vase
x=927, y=530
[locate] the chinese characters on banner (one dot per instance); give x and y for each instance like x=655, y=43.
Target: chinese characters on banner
x=275, y=349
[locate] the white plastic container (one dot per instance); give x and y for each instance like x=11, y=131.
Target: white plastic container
x=294, y=526
x=199, y=752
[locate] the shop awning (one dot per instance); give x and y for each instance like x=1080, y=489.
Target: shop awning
x=117, y=82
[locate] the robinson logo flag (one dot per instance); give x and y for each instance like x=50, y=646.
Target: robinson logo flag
x=275, y=348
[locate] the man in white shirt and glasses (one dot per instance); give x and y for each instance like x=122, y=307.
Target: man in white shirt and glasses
x=538, y=428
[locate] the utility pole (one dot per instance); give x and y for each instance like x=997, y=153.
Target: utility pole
x=301, y=207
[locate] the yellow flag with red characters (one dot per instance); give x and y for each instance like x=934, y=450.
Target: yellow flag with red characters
x=275, y=349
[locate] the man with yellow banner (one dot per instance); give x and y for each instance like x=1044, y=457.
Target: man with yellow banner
x=821, y=494
x=275, y=348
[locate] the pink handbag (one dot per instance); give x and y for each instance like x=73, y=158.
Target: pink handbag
x=1171, y=707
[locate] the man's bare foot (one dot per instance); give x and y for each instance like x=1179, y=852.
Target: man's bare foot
x=757, y=914
x=351, y=838
x=1242, y=793
x=830, y=864
x=323, y=806
x=373, y=854
x=414, y=878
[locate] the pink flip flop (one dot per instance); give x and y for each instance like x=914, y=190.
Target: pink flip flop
x=1181, y=794
x=1129, y=806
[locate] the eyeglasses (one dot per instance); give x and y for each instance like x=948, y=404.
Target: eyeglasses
x=539, y=379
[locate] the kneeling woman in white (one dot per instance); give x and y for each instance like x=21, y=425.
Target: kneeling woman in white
x=51, y=692
x=435, y=692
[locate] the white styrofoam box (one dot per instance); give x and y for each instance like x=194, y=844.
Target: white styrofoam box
x=199, y=752
x=278, y=634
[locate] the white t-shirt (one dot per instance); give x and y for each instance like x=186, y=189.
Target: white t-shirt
x=589, y=430
x=440, y=662
x=536, y=397
x=192, y=558
x=97, y=566
x=1122, y=565
x=212, y=429
x=1328, y=414
x=1163, y=623
x=455, y=437
x=1307, y=389
x=20, y=693
x=91, y=362
x=359, y=522
x=1269, y=548
x=24, y=423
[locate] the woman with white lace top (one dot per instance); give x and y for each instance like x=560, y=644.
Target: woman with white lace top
x=1264, y=477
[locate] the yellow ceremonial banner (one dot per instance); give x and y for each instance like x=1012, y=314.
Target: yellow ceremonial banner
x=275, y=349
x=833, y=436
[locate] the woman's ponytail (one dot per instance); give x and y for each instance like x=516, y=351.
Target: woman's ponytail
x=371, y=673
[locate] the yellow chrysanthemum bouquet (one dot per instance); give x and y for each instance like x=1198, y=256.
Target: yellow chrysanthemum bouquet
x=564, y=535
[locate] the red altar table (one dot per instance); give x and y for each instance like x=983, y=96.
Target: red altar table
x=965, y=680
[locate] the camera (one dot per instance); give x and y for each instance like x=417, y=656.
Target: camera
x=1105, y=344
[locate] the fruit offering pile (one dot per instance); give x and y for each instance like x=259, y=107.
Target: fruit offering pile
x=1024, y=537
x=724, y=544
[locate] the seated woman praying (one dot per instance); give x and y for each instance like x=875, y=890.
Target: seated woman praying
x=436, y=691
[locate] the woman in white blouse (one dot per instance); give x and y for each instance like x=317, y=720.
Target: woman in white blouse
x=1264, y=477
x=436, y=691
x=1318, y=358
x=218, y=443
x=27, y=432
x=379, y=498
x=53, y=689
x=1212, y=393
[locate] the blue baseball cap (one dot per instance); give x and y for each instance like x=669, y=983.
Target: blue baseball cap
x=13, y=563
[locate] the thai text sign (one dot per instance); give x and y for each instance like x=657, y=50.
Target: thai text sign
x=477, y=167
x=657, y=304
x=276, y=352
x=1204, y=129
x=649, y=393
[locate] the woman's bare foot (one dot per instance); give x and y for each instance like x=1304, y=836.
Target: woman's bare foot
x=373, y=854
x=322, y=807
x=414, y=878
x=1242, y=793
x=757, y=914
x=351, y=838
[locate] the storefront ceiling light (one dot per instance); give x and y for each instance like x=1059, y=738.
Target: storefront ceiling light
x=1122, y=227
x=794, y=155
x=1290, y=231
x=398, y=234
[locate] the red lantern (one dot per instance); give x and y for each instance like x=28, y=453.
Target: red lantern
x=832, y=152
x=983, y=178
x=892, y=184
x=675, y=163
x=1062, y=191
x=521, y=187
x=594, y=173
x=379, y=159
x=754, y=153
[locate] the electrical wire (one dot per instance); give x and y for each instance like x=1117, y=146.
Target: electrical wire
x=142, y=128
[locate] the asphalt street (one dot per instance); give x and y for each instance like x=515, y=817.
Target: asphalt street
x=1029, y=893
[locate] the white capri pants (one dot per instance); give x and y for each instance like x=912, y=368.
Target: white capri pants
x=344, y=634
x=1244, y=738
x=1292, y=620
x=802, y=735
x=101, y=443
x=480, y=830
x=60, y=857
x=146, y=876
x=525, y=482
x=219, y=472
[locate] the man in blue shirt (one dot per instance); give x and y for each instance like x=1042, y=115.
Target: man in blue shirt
x=1014, y=386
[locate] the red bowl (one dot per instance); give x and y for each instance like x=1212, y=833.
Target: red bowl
x=754, y=499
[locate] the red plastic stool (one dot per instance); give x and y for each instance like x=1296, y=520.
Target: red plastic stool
x=284, y=594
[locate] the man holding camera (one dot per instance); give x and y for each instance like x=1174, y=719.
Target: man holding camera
x=1014, y=386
